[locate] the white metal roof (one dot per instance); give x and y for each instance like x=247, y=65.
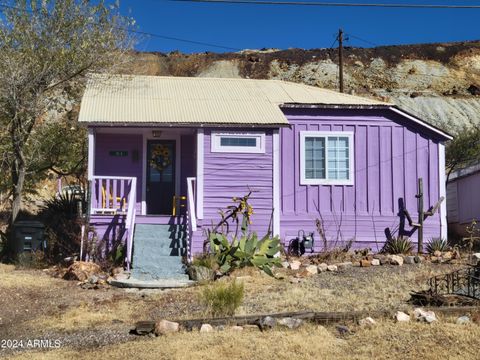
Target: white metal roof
x=130, y=99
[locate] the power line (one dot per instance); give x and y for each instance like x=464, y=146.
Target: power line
x=160, y=36
x=359, y=38
x=332, y=4
x=182, y=40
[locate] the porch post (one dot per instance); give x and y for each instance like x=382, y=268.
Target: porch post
x=91, y=153
x=276, y=182
x=200, y=159
x=443, y=191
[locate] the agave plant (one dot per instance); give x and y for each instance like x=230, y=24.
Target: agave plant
x=398, y=245
x=437, y=244
x=246, y=251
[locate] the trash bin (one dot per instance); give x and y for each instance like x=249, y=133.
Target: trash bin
x=29, y=236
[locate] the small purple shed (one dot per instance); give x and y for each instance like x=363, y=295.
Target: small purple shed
x=171, y=150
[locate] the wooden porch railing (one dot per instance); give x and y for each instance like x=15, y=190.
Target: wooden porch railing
x=116, y=195
x=191, y=214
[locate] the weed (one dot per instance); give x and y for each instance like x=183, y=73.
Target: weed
x=222, y=298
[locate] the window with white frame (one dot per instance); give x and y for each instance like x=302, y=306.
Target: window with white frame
x=238, y=142
x=326, y=158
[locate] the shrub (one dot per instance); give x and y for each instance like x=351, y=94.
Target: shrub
x=437, y=244
x=63, y=225
x=31, y=260
x=206, y=260
x=222, y=298
x=398, y=245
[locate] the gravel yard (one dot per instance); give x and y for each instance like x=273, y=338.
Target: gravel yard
x=34, y=305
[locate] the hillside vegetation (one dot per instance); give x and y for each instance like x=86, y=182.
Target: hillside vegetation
x=439, y=82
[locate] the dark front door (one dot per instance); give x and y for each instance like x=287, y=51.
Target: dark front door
x=160, y=176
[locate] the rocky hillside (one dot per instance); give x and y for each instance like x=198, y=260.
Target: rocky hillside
x=439, y=82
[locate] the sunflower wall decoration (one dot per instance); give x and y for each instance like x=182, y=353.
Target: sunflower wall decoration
x=160, y=157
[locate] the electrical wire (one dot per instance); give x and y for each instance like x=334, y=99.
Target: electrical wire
x=332, y=4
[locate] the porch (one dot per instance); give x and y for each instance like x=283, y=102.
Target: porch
x=143, y=182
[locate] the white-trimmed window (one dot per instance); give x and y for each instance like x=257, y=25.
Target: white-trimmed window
x=238, y=142
x=326, y=158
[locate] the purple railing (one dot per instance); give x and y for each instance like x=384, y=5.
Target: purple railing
x=116, y=195
x=191, y=214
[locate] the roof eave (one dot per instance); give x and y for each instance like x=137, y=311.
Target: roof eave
x=182, y=125
x=385, y=106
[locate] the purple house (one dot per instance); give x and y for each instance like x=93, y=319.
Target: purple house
x=166, y=153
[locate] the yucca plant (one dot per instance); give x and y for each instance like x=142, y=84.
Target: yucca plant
x=437, y=244
x=398, y=245
x=63, y=224
x=222, y=298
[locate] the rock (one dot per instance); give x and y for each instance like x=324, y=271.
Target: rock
x=164, y=327
x=267, y=322
x=375, y=262
x=295, y=264
x=476, y=257
x=409, y=260
x=291, y=323
x=117, y=270
x=121, y=276
x=322, y=267
x=342, y=329
x=437, y=253
x=400, y=316
x=448, y=255
x=237, y=328
x=344, y=265
x=365, y=263
x=81, y=271
x=332, y=268
x=285, y=264
x=476, y=317
x=463, y=320
x=205, y=328
x=422, y=315
x=396, y=260
x=93, y=279
x=419, y=259
x=295, y=280
x=368, y=321
x=312, y=269
x=201, y=273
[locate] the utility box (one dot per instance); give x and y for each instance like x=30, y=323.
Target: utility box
x=28, y=236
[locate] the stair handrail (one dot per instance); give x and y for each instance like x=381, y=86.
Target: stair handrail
x=130, y=220
x=191, y=214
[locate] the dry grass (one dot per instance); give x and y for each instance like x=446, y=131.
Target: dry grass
x=387, y=340
x=11, y=278
x=89, y=316
x=382, y=288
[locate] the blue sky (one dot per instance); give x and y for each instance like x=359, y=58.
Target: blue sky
x=259, y=26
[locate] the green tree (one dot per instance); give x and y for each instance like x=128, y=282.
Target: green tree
x=463, y=150
x=47, y=50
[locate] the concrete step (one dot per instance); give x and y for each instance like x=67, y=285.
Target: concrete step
x=158, y=251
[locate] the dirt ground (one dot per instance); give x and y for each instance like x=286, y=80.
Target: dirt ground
x=95, y=323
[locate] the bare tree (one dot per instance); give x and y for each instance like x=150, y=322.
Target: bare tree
x=47, y=50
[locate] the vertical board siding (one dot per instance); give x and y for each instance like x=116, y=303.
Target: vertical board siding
x=467, y=202
x=228, y=175
x=390, y=154
x=131, y=165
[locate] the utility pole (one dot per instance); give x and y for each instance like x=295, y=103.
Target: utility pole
x=340, y=58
